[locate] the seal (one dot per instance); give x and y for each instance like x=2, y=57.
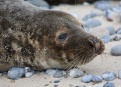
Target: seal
x=42, y=39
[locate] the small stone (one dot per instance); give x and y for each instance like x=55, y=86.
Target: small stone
x=75, y=15
x=109, y=19
x=92, y=23
x=96, y=78
x=75, y=73
x=118, y=30
x=56, y=81
x=109, y=76
x=46, y=85
x=106, y=39
x=86, y=78
x=59, y=74
x=28, y=72
x=115, y=37
x=85, y=3
x=39, y=3
x=119, y=74
x=116, y=9
x=120, y=4
x=111, y=30
x=16, y=73
x=1, y=74
x=116, y=50
x=90, y=15
x=102, y=5
x=120, y=16
x=51, y=71
x=55, y=85
x=109, y=84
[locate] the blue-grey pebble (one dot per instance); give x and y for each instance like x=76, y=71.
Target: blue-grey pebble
x=109, y=76
x=16, y=73
x=39, y=3
x=86, y=78
x=75, y=73
x=50, y=71
x=118, y=30
x=92, y=23
x=59, y=74
x=116, y=50
x=120, y=16
x=120, y=4
x=96, y=78
x=108, y=13
x=111, y=30
x=109, y=84
x=106, y=39
x=90, y=15
x=119, y=74
x=102, y=5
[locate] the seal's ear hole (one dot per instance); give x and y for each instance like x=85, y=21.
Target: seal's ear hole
x=62, y=37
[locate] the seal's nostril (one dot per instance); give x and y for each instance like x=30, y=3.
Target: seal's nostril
x=95, y=42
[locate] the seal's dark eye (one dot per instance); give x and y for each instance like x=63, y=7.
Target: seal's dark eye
x=62, y=36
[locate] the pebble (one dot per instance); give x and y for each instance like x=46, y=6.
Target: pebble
x=86, y=78
x=109, y=76
x=108, y=14
x=116, y=50
x=102, y=5
x=50, y=71
x=120, y=4
x=115, y=37
x=91, y=15
x=56, y=73
x=106, y=39
x=39, y=3
x=75, y=73
x=109, y=84
x=16, y=73
x=119, y=74
x=96, y=78
x=116, y=9
x=120, y=16
x=92, y=23
x=56, y=81
x=59, y=74
x=111, y=30
x=28, y=72
x=75, y=15
x=118, y=30
x=85, y=3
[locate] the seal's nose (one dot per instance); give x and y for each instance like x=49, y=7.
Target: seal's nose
x=95, y=42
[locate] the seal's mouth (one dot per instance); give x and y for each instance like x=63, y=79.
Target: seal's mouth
x=97, y=44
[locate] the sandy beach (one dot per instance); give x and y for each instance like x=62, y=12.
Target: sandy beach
x=101, y=64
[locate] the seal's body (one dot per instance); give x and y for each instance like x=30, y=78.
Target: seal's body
x=42, y=39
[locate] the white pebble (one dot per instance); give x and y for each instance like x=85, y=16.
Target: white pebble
x=75, y=73
x=28, y=72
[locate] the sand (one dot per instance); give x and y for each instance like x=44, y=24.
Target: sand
x=102, y=63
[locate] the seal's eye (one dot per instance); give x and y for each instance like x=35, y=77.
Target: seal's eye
x=62, y=36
